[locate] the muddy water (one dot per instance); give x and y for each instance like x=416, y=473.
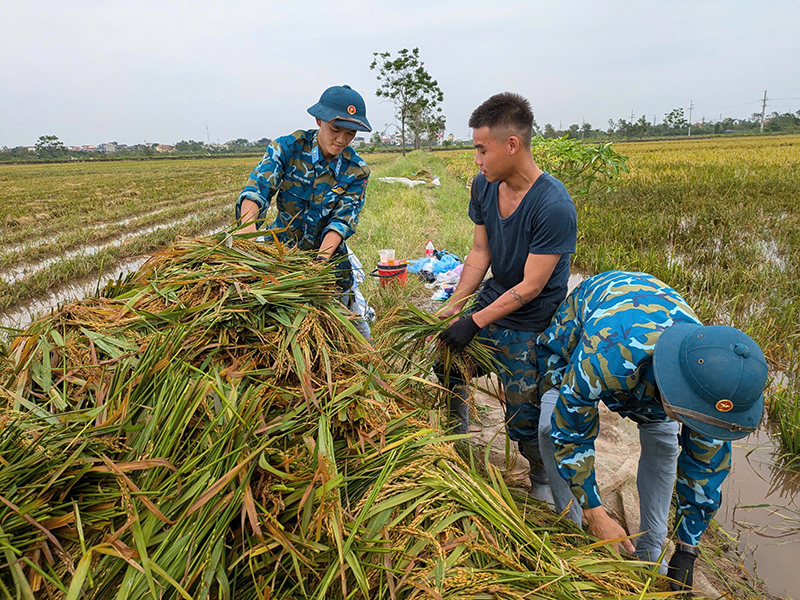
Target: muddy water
x=769, y=535
x=17, y=273
x=21, y=316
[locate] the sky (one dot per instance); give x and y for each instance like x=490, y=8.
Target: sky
x=162, y=71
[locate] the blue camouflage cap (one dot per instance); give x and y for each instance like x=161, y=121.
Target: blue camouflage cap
x=712, y=378
x=342, y=106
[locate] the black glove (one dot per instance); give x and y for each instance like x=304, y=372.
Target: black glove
x=681, y=570
x=320, y=258
x=458, y=335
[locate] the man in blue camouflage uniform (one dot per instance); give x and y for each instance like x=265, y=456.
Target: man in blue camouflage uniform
x=630, y=341
x=318, y=182
x=525, y=229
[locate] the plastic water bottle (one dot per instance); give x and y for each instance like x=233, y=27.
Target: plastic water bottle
x=429, y=248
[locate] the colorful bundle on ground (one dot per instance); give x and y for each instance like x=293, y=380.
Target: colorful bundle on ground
x=215, y=427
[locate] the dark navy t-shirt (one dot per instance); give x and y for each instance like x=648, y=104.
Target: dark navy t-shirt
x=545, y=222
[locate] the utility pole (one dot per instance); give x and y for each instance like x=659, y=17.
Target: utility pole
x=583, y=120
x=631, y=116
x=208, y=138
x=691, y=107
x=763, y=110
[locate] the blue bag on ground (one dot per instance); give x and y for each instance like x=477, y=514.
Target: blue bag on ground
x=441, y=262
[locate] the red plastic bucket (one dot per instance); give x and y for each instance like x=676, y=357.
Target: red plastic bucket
x=390, y=274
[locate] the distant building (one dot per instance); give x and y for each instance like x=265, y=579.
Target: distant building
x=357, y=141
x=165, y=148
x=109, y=147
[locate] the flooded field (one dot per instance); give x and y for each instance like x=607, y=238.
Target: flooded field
x=761, y=505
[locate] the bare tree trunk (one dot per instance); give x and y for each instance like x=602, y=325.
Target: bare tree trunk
x=403, y=133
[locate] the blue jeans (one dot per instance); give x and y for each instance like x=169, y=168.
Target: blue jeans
x=655, y=478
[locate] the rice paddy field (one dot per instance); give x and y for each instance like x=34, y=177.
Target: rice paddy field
x=717, y=219
x=60, y=222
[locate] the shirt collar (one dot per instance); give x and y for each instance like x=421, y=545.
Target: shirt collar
x=317, y=157
x=316, y=152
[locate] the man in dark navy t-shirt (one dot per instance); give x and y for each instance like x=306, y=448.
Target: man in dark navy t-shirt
x=525, y=230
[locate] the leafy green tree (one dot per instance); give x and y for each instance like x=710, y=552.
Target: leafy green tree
x=675, y=121
x=50, y=147
x=435, y=126
x=426, y=122
x=549, y=132
x=406, y=84
x=573, y=132
x=190, y=147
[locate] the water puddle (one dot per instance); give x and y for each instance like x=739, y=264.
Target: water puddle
x=761, y=504
x=18, y=273
x=22, y=316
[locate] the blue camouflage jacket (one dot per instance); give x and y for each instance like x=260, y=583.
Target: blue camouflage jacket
x=599, y=348
x=313, y=196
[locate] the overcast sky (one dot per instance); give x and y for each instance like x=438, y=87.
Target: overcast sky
x=164, y=71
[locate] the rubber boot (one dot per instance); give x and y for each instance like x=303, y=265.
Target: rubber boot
x=540, y=483
x=458, y=409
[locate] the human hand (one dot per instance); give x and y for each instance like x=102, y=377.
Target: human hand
x=603, y=527
x=681, y=570
x=459, y=334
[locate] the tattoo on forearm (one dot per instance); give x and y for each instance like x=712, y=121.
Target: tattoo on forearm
x=516, y=296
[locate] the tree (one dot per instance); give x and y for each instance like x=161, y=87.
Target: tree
x=549, y=132
x=49, y=147
x=675, y=120
x=426, y=121
x=573, y=131
x=406, y=84
x=435, y=127
x=190, y=147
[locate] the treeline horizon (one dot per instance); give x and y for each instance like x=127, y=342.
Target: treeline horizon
x=674, y=124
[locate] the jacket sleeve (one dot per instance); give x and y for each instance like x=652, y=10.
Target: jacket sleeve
x=264, y=180
x=344, y=217
x=574, y=427
x=703, y=465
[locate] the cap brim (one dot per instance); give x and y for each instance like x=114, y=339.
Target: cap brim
x=676, y=392
x=363, y=126
x=329, y=115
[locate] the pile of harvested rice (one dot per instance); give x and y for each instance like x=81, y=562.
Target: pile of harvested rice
x=215, y=427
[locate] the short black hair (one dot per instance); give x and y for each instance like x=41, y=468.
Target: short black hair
x=507, y=110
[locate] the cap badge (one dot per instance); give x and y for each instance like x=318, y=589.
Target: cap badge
x=351, y=110
x=724, y=405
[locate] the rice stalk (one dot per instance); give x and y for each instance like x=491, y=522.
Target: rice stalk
x=215, y=427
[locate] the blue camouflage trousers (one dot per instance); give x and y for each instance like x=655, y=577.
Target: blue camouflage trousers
x=515, y=356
